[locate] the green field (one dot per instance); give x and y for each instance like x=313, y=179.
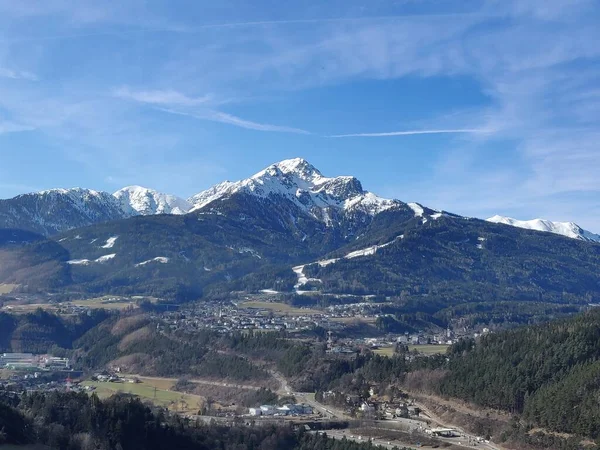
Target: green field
x=384, y=351
x=429, y=349
x=173, y=400
x=7, y=288
x=426, y=349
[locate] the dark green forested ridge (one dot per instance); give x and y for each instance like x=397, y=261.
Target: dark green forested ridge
x=40, y=331
x=550, y=373
x=252, y=244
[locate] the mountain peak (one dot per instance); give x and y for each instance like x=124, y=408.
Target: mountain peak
x=299, y=182
x=568, y=229
x=297, y=165
x=136, y=200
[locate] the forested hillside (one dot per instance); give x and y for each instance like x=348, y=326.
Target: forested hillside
x=81, y=422
x=39, y=331
x=457, y=260
x=548, y=373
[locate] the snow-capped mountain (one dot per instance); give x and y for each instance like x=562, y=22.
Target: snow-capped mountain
x=55, y=210
x=137, y=200
x=568, y=229
x=302, y=184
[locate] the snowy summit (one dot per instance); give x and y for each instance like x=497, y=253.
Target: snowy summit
x=137, y=200
x=568, y=229
x=299, y=181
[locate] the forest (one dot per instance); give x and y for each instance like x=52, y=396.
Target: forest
x=547, y=373
x=80, y=422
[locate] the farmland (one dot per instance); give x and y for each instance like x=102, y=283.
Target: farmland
x=147, y=390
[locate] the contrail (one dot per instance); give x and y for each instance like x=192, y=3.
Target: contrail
x=412, y=132
x=230, y=119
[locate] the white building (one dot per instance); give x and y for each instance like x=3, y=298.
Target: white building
x=255, y=412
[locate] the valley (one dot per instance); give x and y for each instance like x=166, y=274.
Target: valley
x=293, y=298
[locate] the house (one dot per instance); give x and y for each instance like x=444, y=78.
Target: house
x=366, y=407
x=255, y=412
x=402, y=411
x=268, y=410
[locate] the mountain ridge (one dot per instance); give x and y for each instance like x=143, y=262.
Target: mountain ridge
x=568, y=229
x=333, y=201
x=276, y=229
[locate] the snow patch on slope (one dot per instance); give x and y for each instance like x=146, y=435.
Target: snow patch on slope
x=568, y=229
x=418, y=209
x=158, y=259
x=110, y=242
x=303, y=279
x=85, y=262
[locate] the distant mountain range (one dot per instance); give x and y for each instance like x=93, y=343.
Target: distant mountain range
x=568, y=229
x=328, y=200
x=286, y=229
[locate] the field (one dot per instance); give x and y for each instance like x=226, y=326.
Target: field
x=7, y=288
x=384, y=351
x=429, y=349
x=353, y=320
x=279, y=308
x=425, y=349
x=106, y=303
x=176, y=401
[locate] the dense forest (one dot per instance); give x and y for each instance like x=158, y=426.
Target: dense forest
x=40, y=331
x=134, y=344
x=81, y=422
x=548, y=373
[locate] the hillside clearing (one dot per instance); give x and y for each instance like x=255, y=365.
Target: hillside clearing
x=175, y=401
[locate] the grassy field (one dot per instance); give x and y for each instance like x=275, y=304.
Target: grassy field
x=427, y=349
x=176, y=401
x=7, y=288
x=106, y=303
x=351, y=320
x=384, y=351
x=94, y=303
x=279, y=308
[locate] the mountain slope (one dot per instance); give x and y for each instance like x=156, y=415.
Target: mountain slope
x=459, y=260
x=549, y=372
x=291, y=229
x=56, y=210
x=568, y=229
x=137, y=200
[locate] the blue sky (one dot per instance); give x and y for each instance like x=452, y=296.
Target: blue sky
x=179, y=95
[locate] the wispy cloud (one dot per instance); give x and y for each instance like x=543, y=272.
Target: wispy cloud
x=17, y=74
x=161, y=97
x=218, y=116
x=167, y=100
x=414, y=132
x=11, y=127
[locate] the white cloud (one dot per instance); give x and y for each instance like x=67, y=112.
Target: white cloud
x=17, y=74
x=10, y=127
x=415, y=132
x=161, y=97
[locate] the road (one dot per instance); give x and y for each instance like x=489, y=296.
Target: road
x=407, y=425
x=341, y=434
x=308, y=398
